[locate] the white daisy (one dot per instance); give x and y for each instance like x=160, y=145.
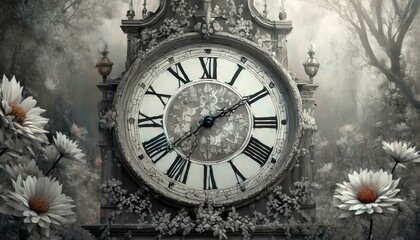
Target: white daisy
x=68, y=148
x=401, y=152
x=24, y=169
x=21, y=120
x=40, y=203
x=50, y=155
x=367, y=192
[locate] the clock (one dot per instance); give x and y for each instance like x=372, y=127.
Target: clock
x=208, y=121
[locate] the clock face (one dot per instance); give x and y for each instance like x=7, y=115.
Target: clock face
x=206, y=124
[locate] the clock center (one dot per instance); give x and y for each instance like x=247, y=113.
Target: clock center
x=198, y=114
x=208, y=121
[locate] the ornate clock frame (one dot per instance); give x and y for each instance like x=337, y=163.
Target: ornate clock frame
x=239, y=22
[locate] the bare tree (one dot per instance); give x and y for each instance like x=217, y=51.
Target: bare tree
x=383, y=23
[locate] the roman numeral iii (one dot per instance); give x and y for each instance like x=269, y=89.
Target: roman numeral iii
x=265, y=122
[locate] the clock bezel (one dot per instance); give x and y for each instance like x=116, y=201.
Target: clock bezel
x=272, y=65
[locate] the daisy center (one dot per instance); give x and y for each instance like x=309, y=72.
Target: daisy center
x=39, y=205
x=18, y=112
x=367, y=195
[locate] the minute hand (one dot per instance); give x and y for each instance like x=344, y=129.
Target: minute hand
x=224, y=112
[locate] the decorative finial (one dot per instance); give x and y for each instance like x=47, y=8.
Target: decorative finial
x=104, y=66
x=265, y=12
x=131, y=13
x=282, y=13
x=145, y=9
x=311, y=49
x=311, y=65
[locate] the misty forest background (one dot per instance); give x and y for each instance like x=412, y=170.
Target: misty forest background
x=52, y=47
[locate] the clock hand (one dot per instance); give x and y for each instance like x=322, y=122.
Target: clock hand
x=195, y=143
x=183, y=138
x=227, y=111
x=223, y=113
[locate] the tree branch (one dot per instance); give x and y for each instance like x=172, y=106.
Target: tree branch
x=363, y=36
x=412, y=7
x=378, y=34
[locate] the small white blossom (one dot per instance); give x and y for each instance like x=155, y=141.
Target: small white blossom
x=401, y=152
x=108, y=119
x=24, y=169
x=68, y=148
x=78, y=132
x=308, y=120
x=50, y=155
x=325, y=169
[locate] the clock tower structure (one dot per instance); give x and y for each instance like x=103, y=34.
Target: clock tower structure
x=206, y=128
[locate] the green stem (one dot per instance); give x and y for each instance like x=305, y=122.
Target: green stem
x=55, y=164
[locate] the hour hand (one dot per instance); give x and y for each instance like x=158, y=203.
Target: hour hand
x=188, y=135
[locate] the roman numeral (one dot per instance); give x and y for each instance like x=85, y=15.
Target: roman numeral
x=257, y=96
x=257, y=151
x=236, y=75
x=157, y=147
x=209, y=67
x=209, y=182
x=265, y=122
x=238, y=175
x=179, y=169
x=146, y=121
x=179, y=70
x=162, y=97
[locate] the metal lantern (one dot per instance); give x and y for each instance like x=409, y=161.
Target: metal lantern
x=311, y=65
x=104, y=65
